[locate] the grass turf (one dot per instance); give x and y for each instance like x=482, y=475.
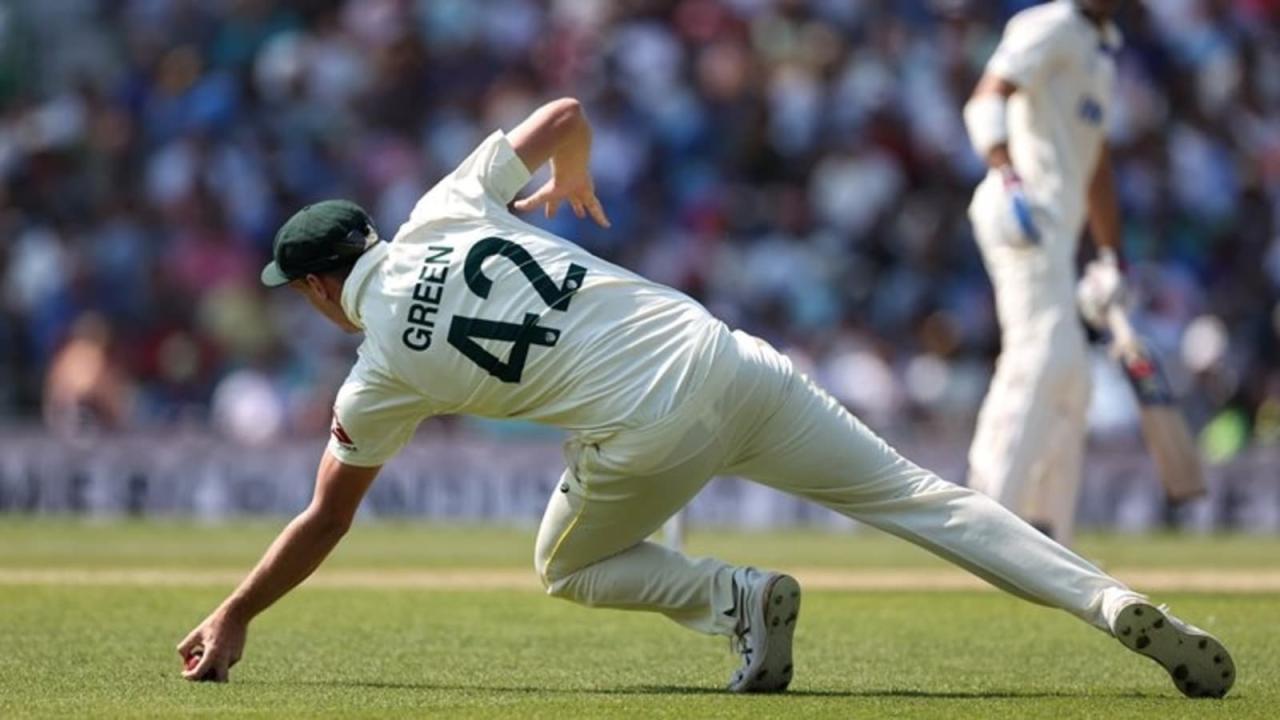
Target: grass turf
x=102, y=651
x=64, y=543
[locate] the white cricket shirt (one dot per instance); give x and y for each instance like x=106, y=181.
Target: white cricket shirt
x=470, y=310
x=1064, y=67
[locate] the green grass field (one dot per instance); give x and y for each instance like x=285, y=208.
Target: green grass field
x=104, y=647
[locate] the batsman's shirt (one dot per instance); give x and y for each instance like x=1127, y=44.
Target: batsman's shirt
x=470, y=310
x=1064, y=69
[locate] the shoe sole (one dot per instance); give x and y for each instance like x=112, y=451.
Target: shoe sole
x=1198, y=664
x=780, y=612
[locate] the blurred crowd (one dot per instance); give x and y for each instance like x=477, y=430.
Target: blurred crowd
x=800, y=166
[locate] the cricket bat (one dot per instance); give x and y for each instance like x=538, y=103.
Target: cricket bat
x=1164, y=429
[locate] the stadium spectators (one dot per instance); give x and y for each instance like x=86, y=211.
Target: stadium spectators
x=798, y=165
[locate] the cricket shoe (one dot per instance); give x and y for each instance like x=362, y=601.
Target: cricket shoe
x=1199, y=665
x=766, y=605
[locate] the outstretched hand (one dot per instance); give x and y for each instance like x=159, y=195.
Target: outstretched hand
x=575, y=188
x=209, y=651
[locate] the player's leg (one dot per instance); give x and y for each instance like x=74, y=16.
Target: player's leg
x=1043, y=356
x=1006, y=438
x=811, y=446
x=1056, y=489
x=591, y=550
x=592, y=547
x=1011, y=430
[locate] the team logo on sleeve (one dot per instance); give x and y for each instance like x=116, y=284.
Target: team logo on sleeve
x=340, y=433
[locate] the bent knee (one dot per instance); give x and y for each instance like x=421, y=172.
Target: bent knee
x=552, y=569
x=543, y=567
x=566, y=584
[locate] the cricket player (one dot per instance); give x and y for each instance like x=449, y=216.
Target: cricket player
x=1038, y=118
x=470, y=310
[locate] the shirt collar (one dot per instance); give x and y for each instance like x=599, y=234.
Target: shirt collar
x=359, y=278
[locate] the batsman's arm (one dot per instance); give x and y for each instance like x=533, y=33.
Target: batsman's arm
x=1102, y=287
x=984, y=118
x=1104, y=211
x=293, y=556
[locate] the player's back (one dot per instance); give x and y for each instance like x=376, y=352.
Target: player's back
x=471, y=310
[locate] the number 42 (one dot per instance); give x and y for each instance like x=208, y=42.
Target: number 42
x=464, y=331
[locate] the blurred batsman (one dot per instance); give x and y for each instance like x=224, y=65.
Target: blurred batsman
x=470, y=310
x=1037, y=117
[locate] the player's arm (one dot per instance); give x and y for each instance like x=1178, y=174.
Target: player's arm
x=1031, y=46
x=1102, y=285
x=296, y=553
x=1104, y=211
x=559, y=133
x=559, y=128
x=985, y=118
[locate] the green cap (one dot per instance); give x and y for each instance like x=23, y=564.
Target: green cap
x=318, y=238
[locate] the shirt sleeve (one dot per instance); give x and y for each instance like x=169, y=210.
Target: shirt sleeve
x=492, y=172
x=1032, y=42
x=373, y=418
x=485, y=182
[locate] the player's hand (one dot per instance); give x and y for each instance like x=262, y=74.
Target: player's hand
x=1101, y=288
x=216, y=645
x=574, y=187
x=1020, y=205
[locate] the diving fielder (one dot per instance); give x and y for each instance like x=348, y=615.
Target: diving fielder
x=470, y=310
x=1037, y=117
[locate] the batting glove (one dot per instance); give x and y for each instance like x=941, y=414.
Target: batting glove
x=1101, y=288
x=1020, y=205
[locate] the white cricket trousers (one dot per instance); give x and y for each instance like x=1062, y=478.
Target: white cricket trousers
x=760, y=419
x=1028, y=448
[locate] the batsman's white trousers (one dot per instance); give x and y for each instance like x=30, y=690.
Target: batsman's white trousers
x=760, y=419
x=1028, y=449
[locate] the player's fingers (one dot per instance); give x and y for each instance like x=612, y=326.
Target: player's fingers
x=597, y=212
x=202, y=669
x=221, y=670
x=539, y=196
x=189, y=643
x=551, y=207
x=578, y=208
x=526, y=204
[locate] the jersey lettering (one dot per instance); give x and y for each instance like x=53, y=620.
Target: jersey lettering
x=427, y=294
x=556, y=298
x=464, y=330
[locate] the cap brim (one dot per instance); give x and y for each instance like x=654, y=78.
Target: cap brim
x=272, y=277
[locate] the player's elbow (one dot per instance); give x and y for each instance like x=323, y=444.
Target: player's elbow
x=568, y=106
x=990, y=84
x=566, y=113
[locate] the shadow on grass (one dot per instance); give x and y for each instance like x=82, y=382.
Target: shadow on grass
x=702, y=690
